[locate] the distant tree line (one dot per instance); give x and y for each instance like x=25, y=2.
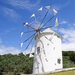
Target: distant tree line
x=16, y=63
x=23, y=64
x=71, y=55
x=68, y=59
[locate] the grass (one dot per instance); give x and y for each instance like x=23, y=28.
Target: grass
x=72, y=72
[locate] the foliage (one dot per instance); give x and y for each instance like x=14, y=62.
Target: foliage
x=16, y=63
x=68, y=59
x=23, y=64
x=67, y=63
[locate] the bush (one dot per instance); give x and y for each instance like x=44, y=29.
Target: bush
x=16, y=63
x=23, y=64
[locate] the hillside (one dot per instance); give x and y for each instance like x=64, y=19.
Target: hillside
x=23, y=64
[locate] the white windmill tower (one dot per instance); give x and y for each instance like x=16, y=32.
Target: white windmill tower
x=48, y=52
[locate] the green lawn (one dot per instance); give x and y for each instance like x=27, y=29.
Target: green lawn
x=72, y=72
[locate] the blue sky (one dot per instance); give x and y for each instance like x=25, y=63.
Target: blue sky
x=13, y=13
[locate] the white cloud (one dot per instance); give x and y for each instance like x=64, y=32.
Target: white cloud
x=0, y=40
x=29, y=50
x=13, y=50
x=63, y=22
x=68, y=34
x=68, y=38
x=7, y=50
x=62, y=6
x=73, y=24
x=10, y=12
x=24, y=4
x=68, y=46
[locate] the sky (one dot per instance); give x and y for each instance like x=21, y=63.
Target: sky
x=13, y=13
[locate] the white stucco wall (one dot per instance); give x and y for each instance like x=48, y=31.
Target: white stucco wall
x=50, y=52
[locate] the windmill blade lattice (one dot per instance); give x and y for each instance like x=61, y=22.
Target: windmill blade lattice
x=39, y=27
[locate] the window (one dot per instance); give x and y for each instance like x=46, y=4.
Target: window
x=38, y=50
x=47, y=44
x=59, y=61
x=53, y=48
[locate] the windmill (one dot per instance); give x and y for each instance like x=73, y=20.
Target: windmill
x=48, y=53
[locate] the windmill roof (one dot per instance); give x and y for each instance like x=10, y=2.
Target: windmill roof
x=50, y=31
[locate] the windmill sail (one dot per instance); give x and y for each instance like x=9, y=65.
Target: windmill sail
x=55, y=12
x=37, y=36
x=33, y=15
x=25, y=23
x=21, y=44
x=56, y=22
x=21, y=34
x=47, y=7
x=31, y=55
x=40, y=9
